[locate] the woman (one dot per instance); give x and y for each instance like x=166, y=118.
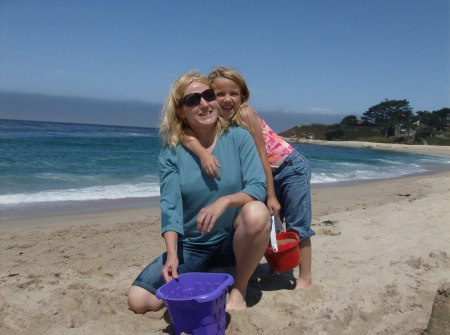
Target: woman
x=205, y=221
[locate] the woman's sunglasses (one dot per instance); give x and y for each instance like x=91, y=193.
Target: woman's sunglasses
x=192, y=100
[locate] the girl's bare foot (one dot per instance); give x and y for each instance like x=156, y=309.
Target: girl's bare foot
x=236, y=302
x=302, y=284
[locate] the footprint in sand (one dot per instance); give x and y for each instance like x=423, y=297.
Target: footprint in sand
x=329, y=223
x=440, y=257
x=419, y=263
x=329, y=231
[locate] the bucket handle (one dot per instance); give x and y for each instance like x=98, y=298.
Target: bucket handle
x=273, y=232
x=273, y=236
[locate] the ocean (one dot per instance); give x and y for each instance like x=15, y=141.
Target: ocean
x=48, y=167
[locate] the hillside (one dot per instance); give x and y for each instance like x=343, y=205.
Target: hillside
x=338, y=132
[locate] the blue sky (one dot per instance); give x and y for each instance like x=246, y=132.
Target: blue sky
x=331, y=57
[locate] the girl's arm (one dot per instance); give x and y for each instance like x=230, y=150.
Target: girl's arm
x=255, y=127
x=207, y=160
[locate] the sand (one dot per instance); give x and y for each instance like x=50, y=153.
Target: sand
x=381, y=252
x=425, y=149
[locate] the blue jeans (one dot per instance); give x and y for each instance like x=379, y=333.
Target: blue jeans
x=293, y=190
x=192, y=258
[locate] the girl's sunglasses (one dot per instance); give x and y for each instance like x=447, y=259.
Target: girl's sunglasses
x=192, y=100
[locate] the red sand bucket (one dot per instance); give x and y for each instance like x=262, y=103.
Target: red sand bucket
x=196, y=302
x=288, y=255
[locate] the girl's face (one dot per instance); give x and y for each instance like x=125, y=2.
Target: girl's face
x=198, y=112
x=229, y=97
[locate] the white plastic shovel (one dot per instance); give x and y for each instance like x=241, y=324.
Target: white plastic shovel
x=273, y=236
x=273, y=232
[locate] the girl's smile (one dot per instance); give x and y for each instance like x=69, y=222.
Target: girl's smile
x=228, y=95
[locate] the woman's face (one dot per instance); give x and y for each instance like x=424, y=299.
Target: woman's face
x=229, y=97
x=202, y=114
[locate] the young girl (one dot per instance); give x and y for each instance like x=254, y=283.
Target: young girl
x=287, y=170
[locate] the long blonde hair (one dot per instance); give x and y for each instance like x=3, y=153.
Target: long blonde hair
x=172, y=127
x=233, y=75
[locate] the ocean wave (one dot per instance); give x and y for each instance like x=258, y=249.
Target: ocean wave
x=150, y=189
x=109, y=192
x=364, y=174
x=389, y=161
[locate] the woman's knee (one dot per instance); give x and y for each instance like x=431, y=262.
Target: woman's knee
x=141, y=300
x=255, y=216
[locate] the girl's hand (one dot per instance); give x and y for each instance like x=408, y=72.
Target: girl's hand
x=170, y=268
x=209, y=165
x=273, y=205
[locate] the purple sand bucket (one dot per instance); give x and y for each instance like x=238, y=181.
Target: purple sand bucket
x=196, y=302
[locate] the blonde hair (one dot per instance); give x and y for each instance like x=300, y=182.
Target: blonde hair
x=172, y=127
x=233, y=75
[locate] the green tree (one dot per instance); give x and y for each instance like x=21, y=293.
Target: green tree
x=425, y=118
x=349, y=120
x=442, y=118
x=334, y=133
x=437, y=119
x=389, y=116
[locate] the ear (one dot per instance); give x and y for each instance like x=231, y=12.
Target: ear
x=181, y=115
x=180, y=112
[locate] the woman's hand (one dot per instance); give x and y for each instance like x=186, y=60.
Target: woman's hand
x=207, y=217
x=170, y=268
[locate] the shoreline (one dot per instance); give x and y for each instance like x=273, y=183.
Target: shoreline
x=332, y=192
x=443, y=150
x=84, y=208
x=44, y=211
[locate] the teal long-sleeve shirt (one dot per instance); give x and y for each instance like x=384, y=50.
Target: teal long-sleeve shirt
x=186, y=189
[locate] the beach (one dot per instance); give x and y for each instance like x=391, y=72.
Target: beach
x=422, y=149
x=381, y=252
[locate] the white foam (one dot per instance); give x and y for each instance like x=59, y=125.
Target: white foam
x=364, y=174
x=83, y=194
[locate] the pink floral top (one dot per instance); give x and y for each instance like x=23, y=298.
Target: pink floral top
x=277, y=149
